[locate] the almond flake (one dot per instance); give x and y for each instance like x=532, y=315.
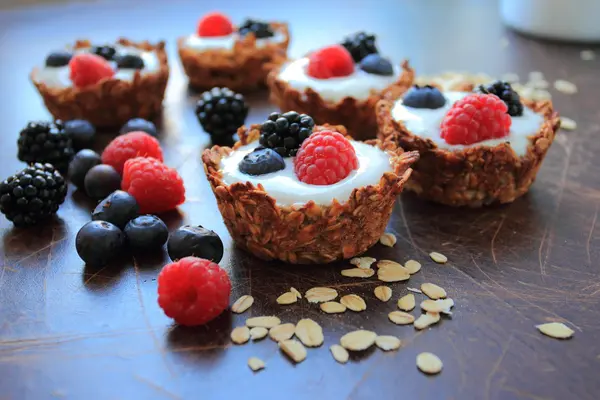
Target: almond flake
x=296, y=292
x=392, y=274
x=358, y=273
x=401, y=318
x=242, y=304
x=293, y=349
x=383, y=293
x=446, y=305
x=437, y=306
x=556, y=330
x=258, y=333
x=388, y=239
x=567, y=124
x=362, y=262
x=287, y=298
x=264, y=322
x=240, y=335
x=426, y=320
x=339, y=353
x=354, y=302
x=358, y=340
x=309, y=332
x=565, y=87
x=390, y=264
x=433, y=291
x=387, y=343
x=320, y=294
x=414, y=290
x=438, y=257
x=256, y=364
x=412, y=266
x=587, y=55
x=406, y=302
x=332, y=307
x=282, y=332
x=429, y=363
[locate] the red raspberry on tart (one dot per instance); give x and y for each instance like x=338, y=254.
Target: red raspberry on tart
x=214, y=25
x=330, y=62
x=88, y=69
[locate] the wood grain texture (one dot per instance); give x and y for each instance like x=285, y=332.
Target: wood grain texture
x=68, y=331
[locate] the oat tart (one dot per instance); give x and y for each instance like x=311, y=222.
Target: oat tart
x=105, y=84
x=476, y=148
x=303, y=193
x=341, y=84
x=239, y=58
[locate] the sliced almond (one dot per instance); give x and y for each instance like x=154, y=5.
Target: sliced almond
x=240, y=335
x=388, y=239
x=363, y=262
x=282, y=332
x=565, y=86
x=388, y=263
x=296, y=292
x=433, y=291
x=293, y=349
x=406, y=302
x=320, y=294
x=401, y=318
x=256, y=364
x=446, y=305
x=339, y=353
x=438, y=257
x=332, y=307
x=429, y=363
x=287, y=298
x=242, y=304
x=354, y=302
x=393, y=274
x=358, y=340
x=387, y=342
x=358, y=273
x=567, y=124
x=414, y=290
x=383, y=293
x=309, y=332
x=432, y=306
x=556, y=330
x=264, y=322
x=426, y=320
x=258, y=333
x=412, y=266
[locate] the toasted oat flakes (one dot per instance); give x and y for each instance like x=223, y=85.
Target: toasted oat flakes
x=567, y=124
x=264, y=322
x=293, y=349
x=242, y=304
x=240, y=335
x=332, y=307
x=320, y=294
x=388, y=239
x=392, y=274
x=438, y=257
x=556, y=330
x=433, y=291
x=426, y=320
x=358, y=273
x=406, y=302
x=358, y=340
x=362, y=262
x=287, y=298
x=282, y=332
x=339, y=353
x=258, y=333
x=587, y=55
x=296, y=292
x=387, y=342
x=412, y=266
x=256, y=364
x=401, y=318
x=309, y=332
x=429, y=363
x=354, y=302
x=383, y=293
x=565, y=87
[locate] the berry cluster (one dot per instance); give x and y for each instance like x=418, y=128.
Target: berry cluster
x=506, y=93
x=285, y=132
x=221, y=112
x=360, y=45
x=260, y=29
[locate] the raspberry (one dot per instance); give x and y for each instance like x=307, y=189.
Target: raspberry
x=155, y=186
x=193, y=291
x=330, y=62
x=214, y=24
x=475, y=118
x=130, y=145
x=89, y=69
x=325, y=158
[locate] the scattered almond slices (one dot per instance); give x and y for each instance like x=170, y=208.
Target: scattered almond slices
x=258, y=333
x=358, y=340
x=354, y=302
x=332, y=307
x=296, y=292
x=432, y=306
x=407, y=302
x=383, y=293
x=282, y=332
x=242, y=304
x=426, y=320
x=392, y=274
x=362, y=262
x=388, y=239
x=556, y=330
x=287, y=298
x=240, y=335
x=264, y=322
x=567, y=124
x=401, y=318
x=293, y=349
x=429, y=363
x=320, y=294
x=358, y=273
x=414, y=290
x=565, y=87
x=438, y=257
x=256, y=364
x=339, y=353
x=412, y=266
x=309, y=332
x=433, y=291
x=387, y=342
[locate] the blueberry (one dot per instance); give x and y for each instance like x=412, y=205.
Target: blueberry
x=195, y=241
x=59, y=58
x=146, y=232
x=118, y=208
x=98, y=242
x=424, y=97
x=82, y=133
x=81, y=163
x=132, y=61
x=106, y=52
x=138, y=124
x=377, y=65
x=262, y=162
x=101, y=180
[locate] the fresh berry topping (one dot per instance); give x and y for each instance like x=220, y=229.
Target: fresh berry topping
x=377, y=65
x=262, y=161
x=475, y=118
x=325, y=158
x=330, y=62
x=89, y=69
x=507, y=94
x=214, y=24
x=155, y=186
x=101, y=180
x=132, y=61
x=193, y=291
x=260, y=29
x=139, y=124
x=59, y=58
x=195, y=241
x=424, y=97
x=83, y=161
x=32, y=195
x=81, y=132
x=221, y=112
x=99, y=242
x=146, y=232
x=360, y=45
x=118, y=208
x=130, y=145
x=106, y=52
x=45, y=142
x=285, y=132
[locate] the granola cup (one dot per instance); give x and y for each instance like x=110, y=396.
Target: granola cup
x=243, y=69
x=358, y=116
x=475, y=176
x=310, y=233
x=110, y=102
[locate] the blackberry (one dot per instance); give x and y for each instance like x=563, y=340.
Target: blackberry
x=32, y=195
x=106, y=52
x=260, y=29
x=285, y=132
x=46, y=142
x=221, y=112
x=507, y=94
x=360, y=45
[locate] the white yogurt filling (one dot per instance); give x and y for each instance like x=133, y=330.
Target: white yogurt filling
x=59, y=76
x=285, y=187
x=358, y=85
x=425, y=123
x=201, y=43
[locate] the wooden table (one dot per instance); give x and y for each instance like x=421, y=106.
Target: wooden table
x=68, y=331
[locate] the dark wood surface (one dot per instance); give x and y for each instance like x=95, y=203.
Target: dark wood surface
x=68, y=331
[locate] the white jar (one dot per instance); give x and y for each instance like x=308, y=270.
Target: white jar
x=576, y=20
